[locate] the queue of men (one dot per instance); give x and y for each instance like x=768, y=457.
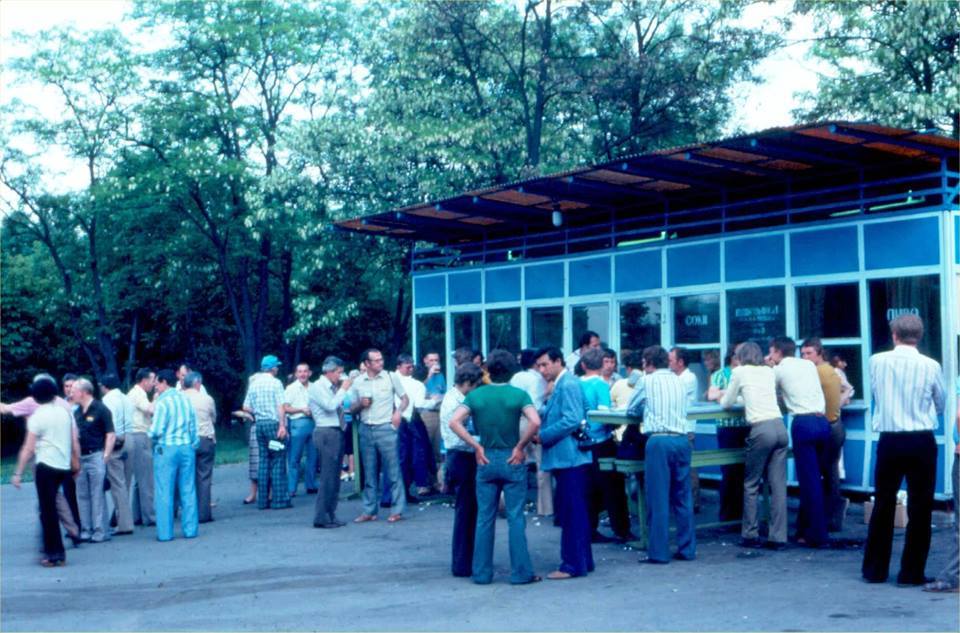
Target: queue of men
x=512, y=410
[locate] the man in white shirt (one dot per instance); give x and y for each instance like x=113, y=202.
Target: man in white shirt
x=530, y=380
x=417, y=463
x=122, y=411
x=325, y=398
x=301, y=432
x=206, y=411
x=588, y=340
x=679, y=361
x=798, y=385
x=908, y=395
x=139, y=466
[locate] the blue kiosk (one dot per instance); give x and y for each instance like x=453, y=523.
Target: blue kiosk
x=828, y=229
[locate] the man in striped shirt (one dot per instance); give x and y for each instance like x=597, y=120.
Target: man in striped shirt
x=908, y=394
x=660, y=398
x=175, y=440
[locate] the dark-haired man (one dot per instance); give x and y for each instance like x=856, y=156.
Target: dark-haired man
x=908, y=395
x=138, y=470
x=680, y=365
x=587, y=340
x=501, y=464
x=122, y=411
x=530, y=380
x=174, y=434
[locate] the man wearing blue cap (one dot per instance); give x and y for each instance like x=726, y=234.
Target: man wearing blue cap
x=264, y=401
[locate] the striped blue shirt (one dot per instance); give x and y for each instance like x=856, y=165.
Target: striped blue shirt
x=174, y=420
x=663, y=397
x=908, y=390
x=264, y=396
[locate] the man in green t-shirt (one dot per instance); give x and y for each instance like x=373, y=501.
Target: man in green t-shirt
x=501, y=464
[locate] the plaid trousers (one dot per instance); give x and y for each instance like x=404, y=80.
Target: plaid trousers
x=272, y=474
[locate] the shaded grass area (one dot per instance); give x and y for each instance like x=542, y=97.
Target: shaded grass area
x=231, y=449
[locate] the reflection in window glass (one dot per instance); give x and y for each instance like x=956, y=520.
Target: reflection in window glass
x=466, y=330
x=889, y=298
x=503, y=329
x=828, y=311
x=431, y=335
x=755, y=314
x=595, y=318
x=545, y=327
x=696, y=319
x=639, y=325
x=852, y=356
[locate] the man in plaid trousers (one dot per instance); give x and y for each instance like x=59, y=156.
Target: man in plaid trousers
x=264, y=401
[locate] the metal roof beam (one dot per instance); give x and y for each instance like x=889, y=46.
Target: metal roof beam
x=737, y=166
x=873, y=137
x=579, y=192
x=496, y=209
x=768, y=147
x=658, y=173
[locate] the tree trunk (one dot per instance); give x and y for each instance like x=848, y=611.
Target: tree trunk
x=286, y=317
x=132, y=351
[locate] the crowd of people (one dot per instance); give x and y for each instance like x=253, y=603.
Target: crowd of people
x=477, y=439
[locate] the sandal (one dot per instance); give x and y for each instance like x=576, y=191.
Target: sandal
x=939, y=586
x=46, y=562
x=393, y=518
x=363, y=518
x=559, y=575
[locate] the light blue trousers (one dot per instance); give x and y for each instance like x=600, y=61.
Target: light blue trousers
x=175, y=467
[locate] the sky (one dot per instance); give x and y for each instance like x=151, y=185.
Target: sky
x=757, y=107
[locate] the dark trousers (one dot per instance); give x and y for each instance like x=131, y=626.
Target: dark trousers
x=811, y=438
x=571, y=507
x=902, y=455
x=416, y=454
x=607, y=490
x=206, y=454
x=833, y=500
x=731, y=477
x=48, y=480
x=461, y=474
x=329, y=443
x=668, y=489
x=272, y=474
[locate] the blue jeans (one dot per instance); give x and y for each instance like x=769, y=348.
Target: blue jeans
x=175, y=467
x=667, y=488
x=572, y=509
x=301, y=437
x=811, y=443
x=493, y=478
x=380, y=440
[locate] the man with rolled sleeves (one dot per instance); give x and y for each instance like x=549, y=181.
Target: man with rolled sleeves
x=122, y=411
x=206, y=411
x=325, y=399
x=139, y=467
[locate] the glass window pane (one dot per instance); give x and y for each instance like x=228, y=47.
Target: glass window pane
x=503, y=329
x=639, y=325
x=466, y=330
x=431, y=335
x=545, y=327
x=828, y=311
x=696, y=319
x=756, y=314
x=595, y=318
x=889, y=298
x=852, y=355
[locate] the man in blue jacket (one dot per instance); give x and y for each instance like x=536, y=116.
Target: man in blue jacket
x=569, y=465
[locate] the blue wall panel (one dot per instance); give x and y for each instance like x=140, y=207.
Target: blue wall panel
x=754, y=258
x=904, y=243
x=465, y=288
x=824, y=252
x=544, y=281
x=956, y=240
x=430, y=292
x=639, y=271
x=589, y=276
x=692, y=265
x=503, y=284
x=853, y=462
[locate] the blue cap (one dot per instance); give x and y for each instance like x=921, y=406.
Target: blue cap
x=269, y=362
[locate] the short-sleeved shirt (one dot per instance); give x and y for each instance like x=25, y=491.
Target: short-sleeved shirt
x=264, y=397
x=496, y=411
x=53, y=427
x=830, y=383
x=93, y=426
x=296, y=395
x=382, y=390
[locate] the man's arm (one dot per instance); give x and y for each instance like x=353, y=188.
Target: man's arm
x=518, y=456
x=456, y=425
x=571, y=414
x=26, y=452
x=159, y=425
x=111, y=435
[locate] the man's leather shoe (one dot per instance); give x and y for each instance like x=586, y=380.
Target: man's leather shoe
x=914, y=583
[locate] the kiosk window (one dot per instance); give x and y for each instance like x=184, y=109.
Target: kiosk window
x=696, y=319
x=828, y=311
x=503, y=329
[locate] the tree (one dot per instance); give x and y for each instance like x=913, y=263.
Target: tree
x=893, y=61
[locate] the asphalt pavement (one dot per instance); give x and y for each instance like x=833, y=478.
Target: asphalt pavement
x=268, y=570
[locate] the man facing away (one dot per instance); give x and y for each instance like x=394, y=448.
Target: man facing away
x=325, y=398
x=206, y=411
x=661, y=399
x=417, y=463
x=436, y=387
x=139, y=466
x=908, y=395
x=302, y=424
x=264, y=400
x=373, y=398
x=121, y=410
x=175, y=440
x=501, y=464
x=530, y=380
x=95, y=426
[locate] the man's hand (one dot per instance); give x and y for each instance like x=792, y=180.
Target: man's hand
x=365, y=403
x=517, y=457
x=396, y=418
x=282, y=432
x=345, y=384
x=481, y=457
x=16, y=481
